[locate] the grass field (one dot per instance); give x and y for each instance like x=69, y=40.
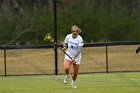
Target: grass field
x=86, y=83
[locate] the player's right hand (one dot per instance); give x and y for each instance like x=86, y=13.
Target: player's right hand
x=64, y=49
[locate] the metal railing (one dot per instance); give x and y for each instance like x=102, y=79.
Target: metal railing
x=106, y=44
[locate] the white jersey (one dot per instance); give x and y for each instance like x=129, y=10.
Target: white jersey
x=73, y=44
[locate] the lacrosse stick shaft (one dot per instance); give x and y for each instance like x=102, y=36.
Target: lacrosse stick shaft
x=66, y=54
x=49, y=38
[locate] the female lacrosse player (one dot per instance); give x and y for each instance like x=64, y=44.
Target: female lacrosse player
x=137, y=50
x=73, y=44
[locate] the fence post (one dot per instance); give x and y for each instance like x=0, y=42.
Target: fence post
x=5, y=68
x=55, y=34
x=106, y=59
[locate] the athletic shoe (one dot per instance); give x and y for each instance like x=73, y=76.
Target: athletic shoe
x=66, y=79
x=73, y=84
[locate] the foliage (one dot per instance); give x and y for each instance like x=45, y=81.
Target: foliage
x=100, y=20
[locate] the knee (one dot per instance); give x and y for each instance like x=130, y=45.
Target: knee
x=75, y=73
x=67, y=68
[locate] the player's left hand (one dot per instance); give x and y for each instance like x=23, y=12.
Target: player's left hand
x=73, y=59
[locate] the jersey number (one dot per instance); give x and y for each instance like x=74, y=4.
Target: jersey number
x=71, y=46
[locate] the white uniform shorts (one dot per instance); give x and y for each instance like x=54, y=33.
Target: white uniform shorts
x=77, y=60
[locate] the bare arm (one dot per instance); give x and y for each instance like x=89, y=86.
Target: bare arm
x=78, y=51
x=65, y=46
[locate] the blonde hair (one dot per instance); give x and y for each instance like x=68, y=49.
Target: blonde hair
x=75, y=27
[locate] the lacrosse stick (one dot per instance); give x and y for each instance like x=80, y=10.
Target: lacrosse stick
x=50, y=39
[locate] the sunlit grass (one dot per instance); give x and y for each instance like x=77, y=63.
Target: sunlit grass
x=86, y=83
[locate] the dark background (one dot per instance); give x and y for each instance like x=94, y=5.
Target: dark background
x=25, y=22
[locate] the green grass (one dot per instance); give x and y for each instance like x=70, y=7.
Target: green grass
x=87, y=83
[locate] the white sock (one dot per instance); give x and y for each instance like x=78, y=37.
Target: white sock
x=73, y=81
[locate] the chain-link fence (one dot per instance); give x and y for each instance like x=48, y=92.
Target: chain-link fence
x=105, y=58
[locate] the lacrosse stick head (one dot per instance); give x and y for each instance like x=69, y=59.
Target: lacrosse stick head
x=49, y=38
